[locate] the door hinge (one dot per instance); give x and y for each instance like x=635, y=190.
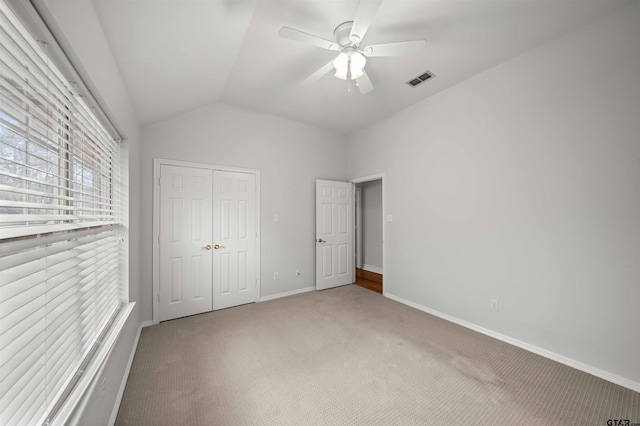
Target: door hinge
x=256, y=282
x=158, y=297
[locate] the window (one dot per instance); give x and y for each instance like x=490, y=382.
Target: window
x=62, y=256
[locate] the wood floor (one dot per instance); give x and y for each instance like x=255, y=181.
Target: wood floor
x=369, y=280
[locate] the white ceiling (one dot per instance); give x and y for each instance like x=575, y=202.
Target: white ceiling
x=178, y=55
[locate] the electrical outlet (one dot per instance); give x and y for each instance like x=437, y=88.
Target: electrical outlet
x=276, y=276
x=494, y=305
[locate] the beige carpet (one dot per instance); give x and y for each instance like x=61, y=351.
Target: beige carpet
x=351, y=356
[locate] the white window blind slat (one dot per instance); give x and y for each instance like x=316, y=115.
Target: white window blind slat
x=62, y=363
x=26, y=264
x=7, y=252
x=30, y=291
x=101, y=204
x=32, y=348
x=30, y=205
x=31, y=250
x=26, y=180
x=32, y=411
x=24, y=191
x=32, y=113
x=28, y=405
x=16, y=331
x=35, y=229
x=18, y=68
x=14, y=316
x=24, y=117
x=16, y=34
x=26, y=218
x=61, y=249
x=28, y=363
x=34, y=335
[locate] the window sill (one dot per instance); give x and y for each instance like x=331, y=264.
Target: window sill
x=82, y=392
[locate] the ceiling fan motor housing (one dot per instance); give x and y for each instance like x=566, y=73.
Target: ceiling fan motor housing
x=341, y=35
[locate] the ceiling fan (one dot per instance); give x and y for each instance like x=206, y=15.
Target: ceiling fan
x=349, y=64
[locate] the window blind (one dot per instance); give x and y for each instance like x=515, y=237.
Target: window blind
x=61, y=248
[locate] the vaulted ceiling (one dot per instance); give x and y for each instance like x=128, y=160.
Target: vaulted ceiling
x=178, y=55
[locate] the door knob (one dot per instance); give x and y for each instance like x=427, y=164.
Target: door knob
x=218, y=246
x=207, y=247
x=320, y=240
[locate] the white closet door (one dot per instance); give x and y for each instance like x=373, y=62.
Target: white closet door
x=234, y=239
x=185, y=233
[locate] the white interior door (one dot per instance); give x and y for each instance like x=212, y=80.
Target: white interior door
x=234, y=210
x=334, y=234
x=185, y=232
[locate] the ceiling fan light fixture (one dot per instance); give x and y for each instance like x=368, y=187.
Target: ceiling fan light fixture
x=356, y=64
x=349, y=62
x=341, y=64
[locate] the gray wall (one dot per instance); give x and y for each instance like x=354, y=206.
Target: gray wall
x=290, y=157
x=372, y=224
x=522, y=184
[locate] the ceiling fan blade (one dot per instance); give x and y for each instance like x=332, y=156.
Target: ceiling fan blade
x=291, y=34
x=367, y=10
x=400, y=48
x=364, y=84
x=318, y=74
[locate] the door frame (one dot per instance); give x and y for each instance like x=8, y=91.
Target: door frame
x=358, y=225
x=157, y=164
x=369, y=178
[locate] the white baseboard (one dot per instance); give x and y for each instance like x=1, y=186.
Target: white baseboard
x=123, y=384
x=613, y=378
x=144, y=324
x=373, y=269
x=287, y=293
